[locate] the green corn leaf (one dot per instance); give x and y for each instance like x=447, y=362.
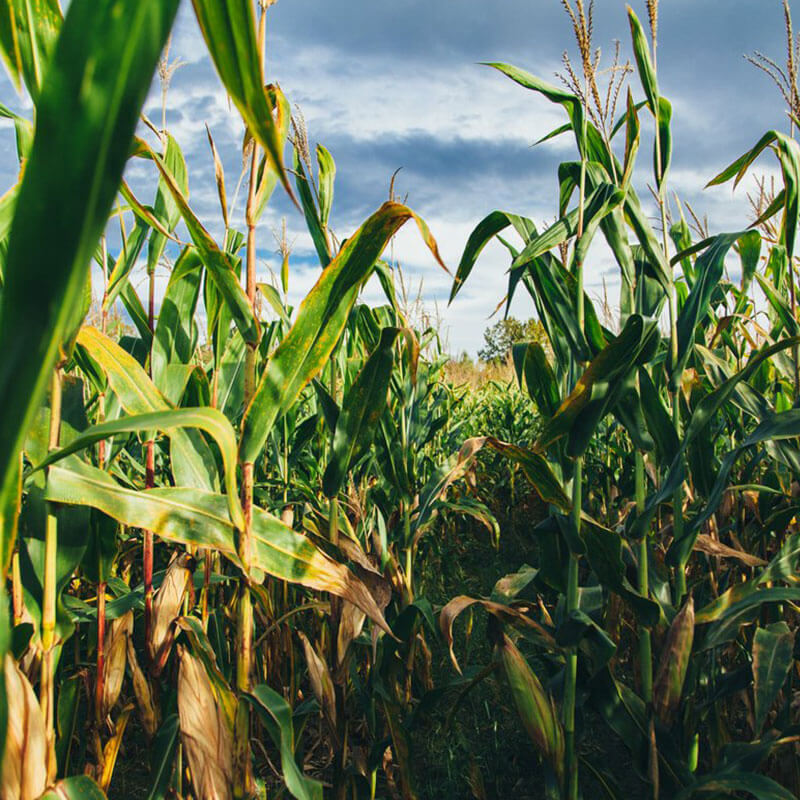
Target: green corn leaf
x=122, y=268
x=362, y=407
x=485, y=231
x=709, y=268
x=779, y=305
x=556, y=132
x=783, y=425
x=773, y=649
x=216, y=261
x=201, y=519
x=23, y=129
x=133, y=305
x=320, y=322
x=229, y=29
x=326, y=404
x=659, y=422
x=534, y=706
x=599, y=203
x=728, y=622
x=535, y=373
x=788, y=153
x=612, y=224
x=162, y=753
x=554, y=290
x=600, y=386
x=632, y=140
x=451, y=470
x=28, y=34
x=327, y=176
x=209, y=420
x=782, y=566
x=571, y=104
x=276, y=714
x=676, y=653
x=537, y=470
x=644, y=64
x=80, y=787
x=629, y=411
x=271, y=295
x=192, y=460
x=750, y=256
x=703, y=413
x=165, y=209
x=87, y=112
x=66, y=718
x=175, y=336
x=604, y=553
x=187, y=516
x=735, y=782
x=316, y=227
x=664, y=151
x=230, y=382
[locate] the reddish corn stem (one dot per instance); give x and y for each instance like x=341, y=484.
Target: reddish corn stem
x=99, y=685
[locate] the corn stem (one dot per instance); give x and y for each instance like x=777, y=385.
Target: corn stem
x=46, y=689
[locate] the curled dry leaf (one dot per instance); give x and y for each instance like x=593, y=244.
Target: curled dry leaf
x=321, y=681
x=167, y=608
x=25, y=760
x=502, y=612
x=206, y=736
x=148, y=712
x=668, y=685
x=353, y=618
x=351, y=622
x=705, y=544
x=115, y=659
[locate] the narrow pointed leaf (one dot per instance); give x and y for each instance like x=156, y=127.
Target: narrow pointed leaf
x=362, y=407
x=773, y=647
x=229, y=29
x=320, y=322
x=89, y=106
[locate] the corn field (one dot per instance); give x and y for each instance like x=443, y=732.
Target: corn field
x=226, y=521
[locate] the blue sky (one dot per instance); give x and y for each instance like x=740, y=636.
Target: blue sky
x=387, y=85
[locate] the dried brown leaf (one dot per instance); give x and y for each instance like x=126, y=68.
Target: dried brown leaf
x=321, y=681
x=25, y=760
x=115, y=660
x=148, y=712
x=167, y=608
x=705, y=544
x=206, y=736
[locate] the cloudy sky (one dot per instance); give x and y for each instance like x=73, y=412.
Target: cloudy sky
x=387, y=85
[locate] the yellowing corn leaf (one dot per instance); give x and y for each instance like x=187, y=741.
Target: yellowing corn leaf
x=111, y=750
x=25, y=759
x=207, y=738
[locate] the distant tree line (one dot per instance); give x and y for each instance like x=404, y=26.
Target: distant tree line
x=503, y=335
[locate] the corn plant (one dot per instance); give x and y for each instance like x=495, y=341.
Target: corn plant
x=671, y=397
